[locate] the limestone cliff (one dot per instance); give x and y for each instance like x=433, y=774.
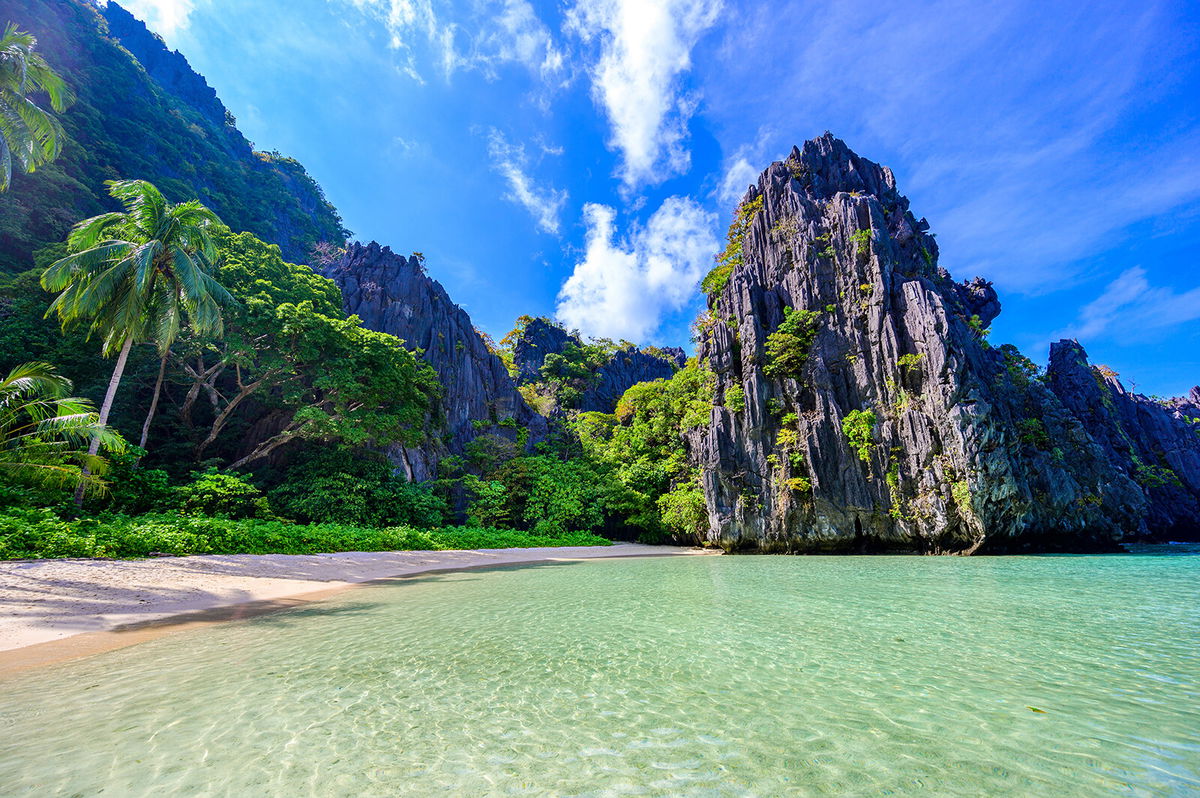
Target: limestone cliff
x=393, y=294
x=878, y=417
x=1157, y=443
x=605, y=375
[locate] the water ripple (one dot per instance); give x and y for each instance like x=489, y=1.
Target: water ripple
x=731, y=676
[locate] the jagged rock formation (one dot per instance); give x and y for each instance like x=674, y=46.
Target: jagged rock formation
x=900, y=428
x=540, y=337
x=393, y=294
x=623, y=369
x=1157, y=444
x=627, y=368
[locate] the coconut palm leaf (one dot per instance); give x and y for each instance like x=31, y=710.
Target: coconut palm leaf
x=30, y=136
x=45, y=434
x=139, y=275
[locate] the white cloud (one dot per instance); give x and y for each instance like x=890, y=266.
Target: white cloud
x=544, y=204
x=623, y=290
x=164, y=17
x=1131, y=307
x=738, y=176
x=492, y=33
x=644, y=48
x=516, y=34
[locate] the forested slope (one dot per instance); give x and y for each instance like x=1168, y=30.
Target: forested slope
x=153, y=119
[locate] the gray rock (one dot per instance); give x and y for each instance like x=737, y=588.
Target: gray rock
x=540, y=337
x=968, y=454
x=626, y=367
x=393, y=294
x=1157, y=444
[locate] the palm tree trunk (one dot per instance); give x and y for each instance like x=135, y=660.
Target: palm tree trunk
x=162, y=369
x=105, y=409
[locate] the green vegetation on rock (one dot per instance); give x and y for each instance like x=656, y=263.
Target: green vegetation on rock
x=859, y=428
x=789, y=346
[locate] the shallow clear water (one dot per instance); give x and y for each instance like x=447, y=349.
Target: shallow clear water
x=667, y=676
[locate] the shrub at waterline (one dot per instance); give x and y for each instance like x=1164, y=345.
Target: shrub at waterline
x=36, y=533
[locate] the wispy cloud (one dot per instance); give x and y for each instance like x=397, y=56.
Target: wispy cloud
x=738, y=176
x=644, y=49
x=623, y=290
x=543, y=203
x=514, y=34
x=1132, y=309
x=742, y=168
x=491, y=33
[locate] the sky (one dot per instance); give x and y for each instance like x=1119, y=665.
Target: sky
x=580, y=159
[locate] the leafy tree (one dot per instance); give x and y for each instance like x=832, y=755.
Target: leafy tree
x=136, y=275
x=643, y=444
x=288, y=350
x=353, y=486
x=44, y=434
x=30, y=136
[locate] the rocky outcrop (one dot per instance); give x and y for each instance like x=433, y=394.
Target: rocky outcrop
x=605, y=385
x=539, y=338
x=1156, y=443
x=627, y=368
x=879, y=418
x=393, y=294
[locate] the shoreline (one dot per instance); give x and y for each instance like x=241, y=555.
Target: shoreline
x=57, y=610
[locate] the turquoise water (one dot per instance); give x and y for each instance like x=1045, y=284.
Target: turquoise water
x=667, y=676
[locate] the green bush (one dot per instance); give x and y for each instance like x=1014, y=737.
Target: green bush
x=353, y=486
x=134, y=489
x=859, y=426
x=1033, y=433
x=40, y=533
x=735, y=398
x=227, y=495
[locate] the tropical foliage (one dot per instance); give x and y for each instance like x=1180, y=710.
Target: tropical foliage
x=134, y=276
x=44, y=433
x=124, y=123
x=30, y=136
x=41, y=533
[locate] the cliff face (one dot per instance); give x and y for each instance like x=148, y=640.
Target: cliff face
x=879, y=418
x=169, y=68
x=539, y=338
x=607, y=381
x=627, y=368
x=393, y=294
x=1158, y=444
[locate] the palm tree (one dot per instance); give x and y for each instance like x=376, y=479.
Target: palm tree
x=29, y=135
x=45, y=434
x=135, y=275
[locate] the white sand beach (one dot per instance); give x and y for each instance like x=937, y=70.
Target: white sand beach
x=48, y=600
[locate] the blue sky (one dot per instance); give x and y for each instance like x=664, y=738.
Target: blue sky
x=580, y=158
